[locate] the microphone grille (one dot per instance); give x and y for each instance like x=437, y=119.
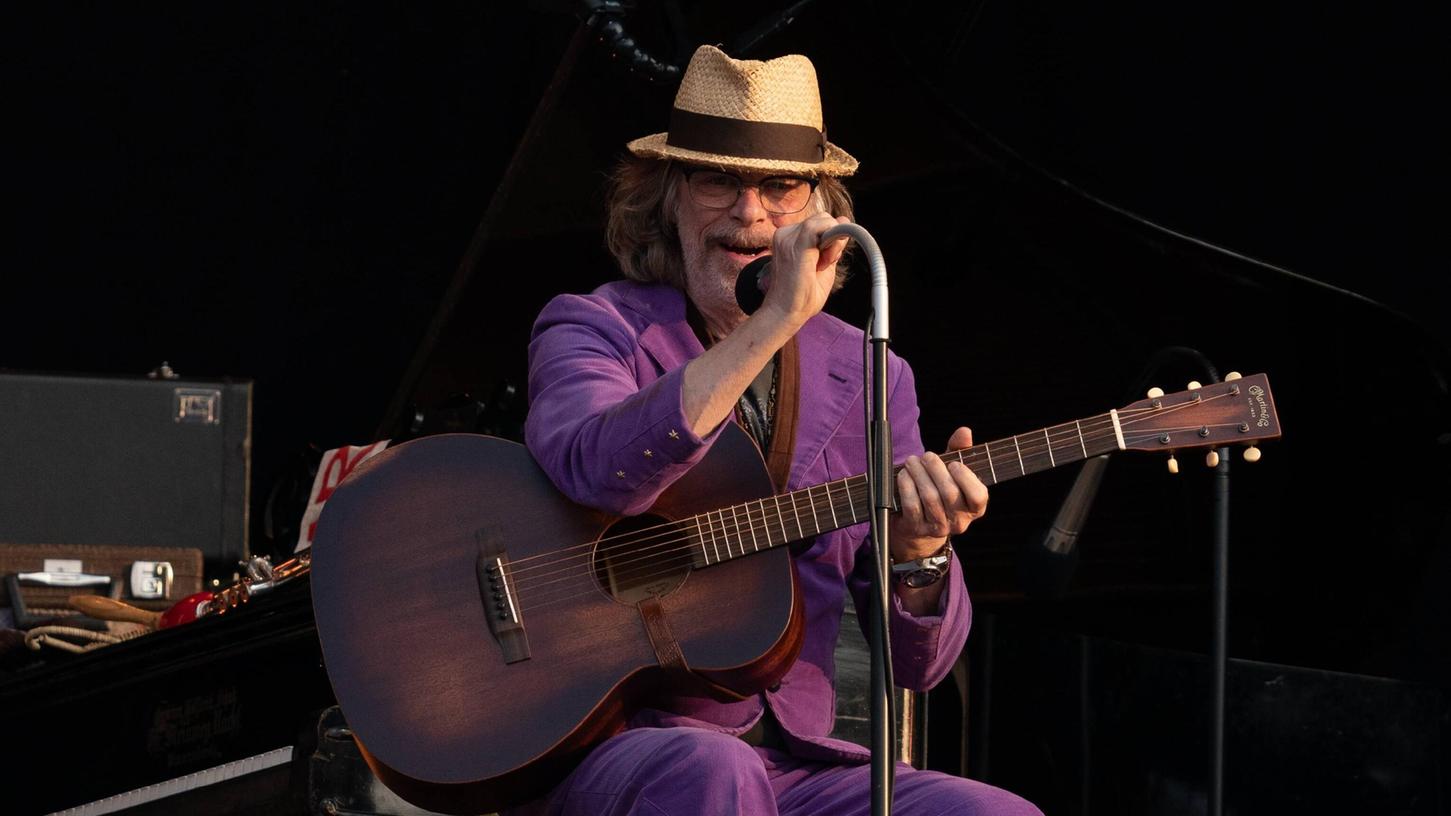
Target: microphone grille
x=748, y=284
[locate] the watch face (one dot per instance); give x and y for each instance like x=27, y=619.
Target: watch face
x=923, y=571
x=927, y=576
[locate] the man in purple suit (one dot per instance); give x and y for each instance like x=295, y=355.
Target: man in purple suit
x=630, y=385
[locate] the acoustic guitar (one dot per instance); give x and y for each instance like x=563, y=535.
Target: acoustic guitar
x=482, y=632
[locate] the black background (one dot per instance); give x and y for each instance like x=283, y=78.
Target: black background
x=284, y=192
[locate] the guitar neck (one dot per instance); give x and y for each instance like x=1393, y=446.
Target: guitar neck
x=743, y=529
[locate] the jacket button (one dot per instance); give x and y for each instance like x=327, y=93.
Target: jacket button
x=776, y=686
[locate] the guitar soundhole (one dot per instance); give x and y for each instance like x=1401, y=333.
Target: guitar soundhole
x=640, y=557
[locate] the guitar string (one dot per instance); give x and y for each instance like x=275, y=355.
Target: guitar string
x=1004, y=459
x=966, y=456
x=661, y=564
x=673, y=527
x=1033, y=448
x=1098, y=429
x=643, y=569
x=756, y=521
x=684, y=556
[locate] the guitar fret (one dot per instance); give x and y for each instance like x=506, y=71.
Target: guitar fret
x=811, y=505
x=755, y=545
x=1081, y=443
x=851, y=504
x=1020, y=456
x=780, y=520
x=987, y=449
x=831, y=505
x=700, y=535
x=725, y=534
x=714, y=541
x=1049, y=440
x=814, y=519
x=797, y=514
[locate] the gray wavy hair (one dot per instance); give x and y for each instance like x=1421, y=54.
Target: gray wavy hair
x=640, y=229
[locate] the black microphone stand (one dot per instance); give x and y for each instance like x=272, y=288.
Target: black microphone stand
x=1061, y=564
x=880, y=488
x=1219, y=646
x=880, y=484
x=1219, y=650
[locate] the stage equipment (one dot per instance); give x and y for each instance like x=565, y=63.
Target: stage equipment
x=154, y=461
x=197, y=718
x=40, y=579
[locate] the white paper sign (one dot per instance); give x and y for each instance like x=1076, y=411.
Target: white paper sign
x=335, y=466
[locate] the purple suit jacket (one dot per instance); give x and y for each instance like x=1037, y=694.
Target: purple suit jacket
x=605, y=377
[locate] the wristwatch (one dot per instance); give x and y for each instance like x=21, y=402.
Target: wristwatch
x=923, y=572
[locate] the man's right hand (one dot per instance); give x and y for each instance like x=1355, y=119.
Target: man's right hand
x=803, y=273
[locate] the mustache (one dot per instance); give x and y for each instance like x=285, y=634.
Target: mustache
x=742, y=238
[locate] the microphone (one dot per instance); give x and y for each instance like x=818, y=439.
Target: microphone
x=752, y=283
x=755, y=277
x=1046, y=565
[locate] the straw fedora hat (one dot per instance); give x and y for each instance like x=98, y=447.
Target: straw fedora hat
x=750, y=115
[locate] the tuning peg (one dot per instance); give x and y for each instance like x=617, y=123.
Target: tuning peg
x=1194, y=385
x=1232, y=376
x=1251, y=454
x=1156, y=392
x=1173, y=464
x=1212, y=458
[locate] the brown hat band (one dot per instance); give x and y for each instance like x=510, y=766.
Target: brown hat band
x=747, y=140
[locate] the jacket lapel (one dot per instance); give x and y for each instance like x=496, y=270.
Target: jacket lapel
x=666, y=336
x=831, y=384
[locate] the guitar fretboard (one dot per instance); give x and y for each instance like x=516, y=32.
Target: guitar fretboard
x=760, y=524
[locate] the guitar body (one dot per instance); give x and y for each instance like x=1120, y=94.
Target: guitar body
x=446, y=715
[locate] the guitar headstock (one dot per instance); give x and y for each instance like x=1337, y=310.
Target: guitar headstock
x=1239, y=411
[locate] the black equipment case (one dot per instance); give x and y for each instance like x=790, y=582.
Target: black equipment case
x=140, y=461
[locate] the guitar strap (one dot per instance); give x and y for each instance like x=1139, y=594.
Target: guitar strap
x=667, y=650
x=783, y=415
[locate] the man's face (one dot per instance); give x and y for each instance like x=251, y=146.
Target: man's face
x=717, y=242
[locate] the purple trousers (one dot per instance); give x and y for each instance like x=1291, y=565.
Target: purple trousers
x=694, y=772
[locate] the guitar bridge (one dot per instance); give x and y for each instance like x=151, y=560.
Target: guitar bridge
x=501, y=607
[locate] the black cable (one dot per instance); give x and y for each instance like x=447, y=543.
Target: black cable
x=746, y=43
x=1438, y=356
x=606, y=18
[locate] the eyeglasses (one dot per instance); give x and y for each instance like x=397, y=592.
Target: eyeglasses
x=780, y=195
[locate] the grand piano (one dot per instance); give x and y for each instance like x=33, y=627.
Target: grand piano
x=364, y=212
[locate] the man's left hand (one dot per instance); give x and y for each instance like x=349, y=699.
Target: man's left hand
x=937, y=499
